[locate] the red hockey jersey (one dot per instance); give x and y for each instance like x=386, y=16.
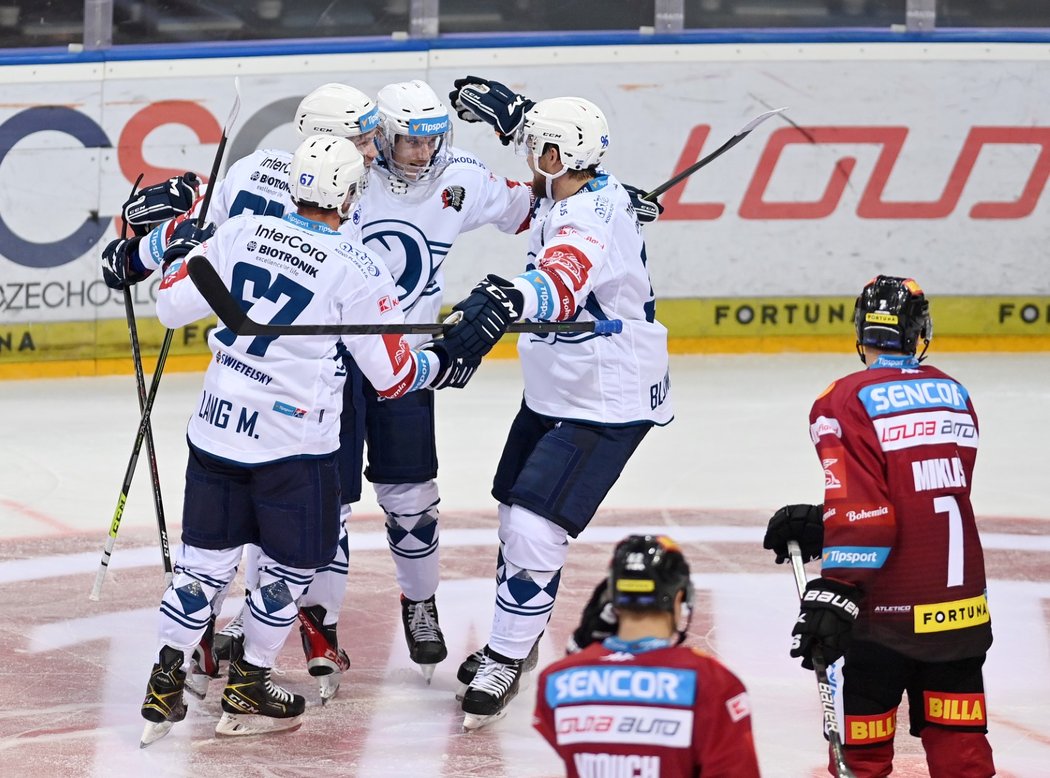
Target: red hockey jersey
x=646, y=709
x=897, y=443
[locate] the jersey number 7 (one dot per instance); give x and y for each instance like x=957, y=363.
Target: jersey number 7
x=265, y=287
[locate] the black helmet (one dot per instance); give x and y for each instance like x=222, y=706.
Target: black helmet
x=892, y=314
x=646, y=573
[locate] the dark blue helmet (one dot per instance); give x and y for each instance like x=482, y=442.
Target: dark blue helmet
x=892, y=314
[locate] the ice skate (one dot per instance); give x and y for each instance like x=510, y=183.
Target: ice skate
x=164, y=704
x=325, y=661
x=495, y=684
x=203, y=664
x=469, y=667
x=426, y=644
x=229, y=641
x=252, y=703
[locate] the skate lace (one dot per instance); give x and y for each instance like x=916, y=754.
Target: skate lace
x=423, y=622
x=235, y=629
x=281, y=694
x=494, y=677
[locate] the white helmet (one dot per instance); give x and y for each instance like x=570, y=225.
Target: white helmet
x=336, y=109
x=576, y=126
x=411, y=109
x=328, y=173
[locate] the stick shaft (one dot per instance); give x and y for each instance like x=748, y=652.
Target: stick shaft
x=704, y=161
x=827, y=698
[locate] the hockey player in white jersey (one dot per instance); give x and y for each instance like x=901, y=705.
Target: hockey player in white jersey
x=423, y=193
x=258, y=184
x=262, y=465
x=589, y=400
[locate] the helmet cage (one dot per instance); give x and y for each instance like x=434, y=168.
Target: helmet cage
x=892, y=314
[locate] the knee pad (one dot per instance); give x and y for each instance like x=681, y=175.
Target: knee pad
x=956, y=754
x=531, y=542
x=406, y=504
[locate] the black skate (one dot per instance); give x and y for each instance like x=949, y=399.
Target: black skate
x=252, y=703
x=164, y=704
x=426, y=644
x=204, y=665
x=324, y=659
x=495, y=684
x=469, y=667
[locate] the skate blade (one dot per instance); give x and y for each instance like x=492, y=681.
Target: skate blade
x=241, y=724
x=152, y=732
x=328, y=685
x=197, y=685
x=428, y=672
x=474, y=721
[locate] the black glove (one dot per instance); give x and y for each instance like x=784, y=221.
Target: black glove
x=455, y=371
x=477, y=100
x=117, y=268
x=825, y=621
x=598, y=621
x=160, y=202
x=487, y=311
x=801, y=523
x=647, y=211
x=186, y=237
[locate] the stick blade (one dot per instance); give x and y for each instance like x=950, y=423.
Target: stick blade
x=759, y=119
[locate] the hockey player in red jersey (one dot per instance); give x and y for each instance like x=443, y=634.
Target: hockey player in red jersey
x=638, y=703
x=902, y=589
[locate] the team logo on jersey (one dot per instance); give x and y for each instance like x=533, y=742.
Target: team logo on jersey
x=252, y=245
x=834, y=471
x=255, y=176
x=453, y=197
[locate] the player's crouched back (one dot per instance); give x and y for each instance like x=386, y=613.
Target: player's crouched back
x=638, y=703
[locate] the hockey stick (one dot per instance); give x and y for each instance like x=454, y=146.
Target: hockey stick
x=140, y=384
x=230, y=313
x=744, y=132
x=151, y=396
x=827, y=699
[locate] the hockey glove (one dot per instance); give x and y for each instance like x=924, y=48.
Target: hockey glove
x=455, y=371
x=186, y=237
x=825, y=621
x=477, y=100
x=119, y=266
x=486, y=312
x=598, y=621
x=801, y=523
x=647, y=211
x=160, y=202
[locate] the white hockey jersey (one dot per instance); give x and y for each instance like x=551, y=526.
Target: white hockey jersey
x=271, y=398
x=255, y=184
x=412, y=229
x=587, y=262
